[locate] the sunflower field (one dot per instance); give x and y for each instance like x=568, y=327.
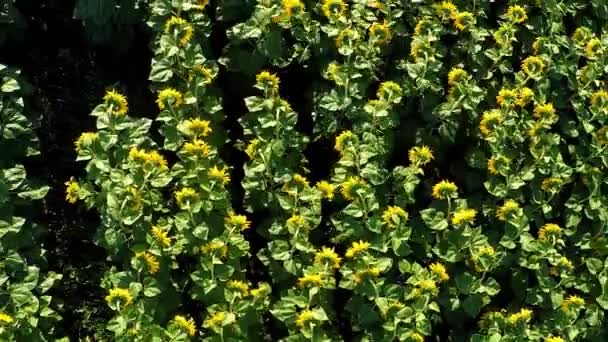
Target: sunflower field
x=298, y=170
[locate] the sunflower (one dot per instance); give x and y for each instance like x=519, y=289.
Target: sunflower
x=197, y=148
x=215, y=319
x=345, y=138
x=506, y=97
x=238, y=285
x=327, y=189
x=311, y=280
x=150, y=260
x=440, y=271
x=380, y=33
x=524, y=315
x=508, y=208
x=593, y=48
x=6, y=318
x=457, y=75
x=350, y=187
x=389, y=91
x=220, y=175
x=117, y=102
x=445, y=189
x=161, y=236
x=533, y=66
x=357, y=248
x=573, y=301
x=304, y=317
x=599, y=99
x=525, y=95
x=517, y=14
x=549, y=230
x=464, y=216
x=186, y=324
x=544, y=111
x=197, y=128
x=490, y=120
x=446, y=10
x=185, y=196
x=328, y=256
x=393, y=216
x=238, y=221
x=268, y=81
x=181, y=28
x=420, y=155
x=333, y=9
x=85, y=140
x=293, y=7
x=169, y=97
x=120, y=296
x=71, y=191
x=464, y=20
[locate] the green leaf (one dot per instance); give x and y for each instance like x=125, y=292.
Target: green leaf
x=10, y=85
x=434, y=219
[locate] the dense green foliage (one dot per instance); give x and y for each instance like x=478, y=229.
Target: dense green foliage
x=25, y=304
x=338, y=171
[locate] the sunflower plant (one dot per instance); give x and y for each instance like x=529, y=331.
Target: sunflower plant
x=458, y=193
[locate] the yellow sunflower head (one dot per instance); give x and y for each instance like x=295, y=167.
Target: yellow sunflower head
x=445, y=189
